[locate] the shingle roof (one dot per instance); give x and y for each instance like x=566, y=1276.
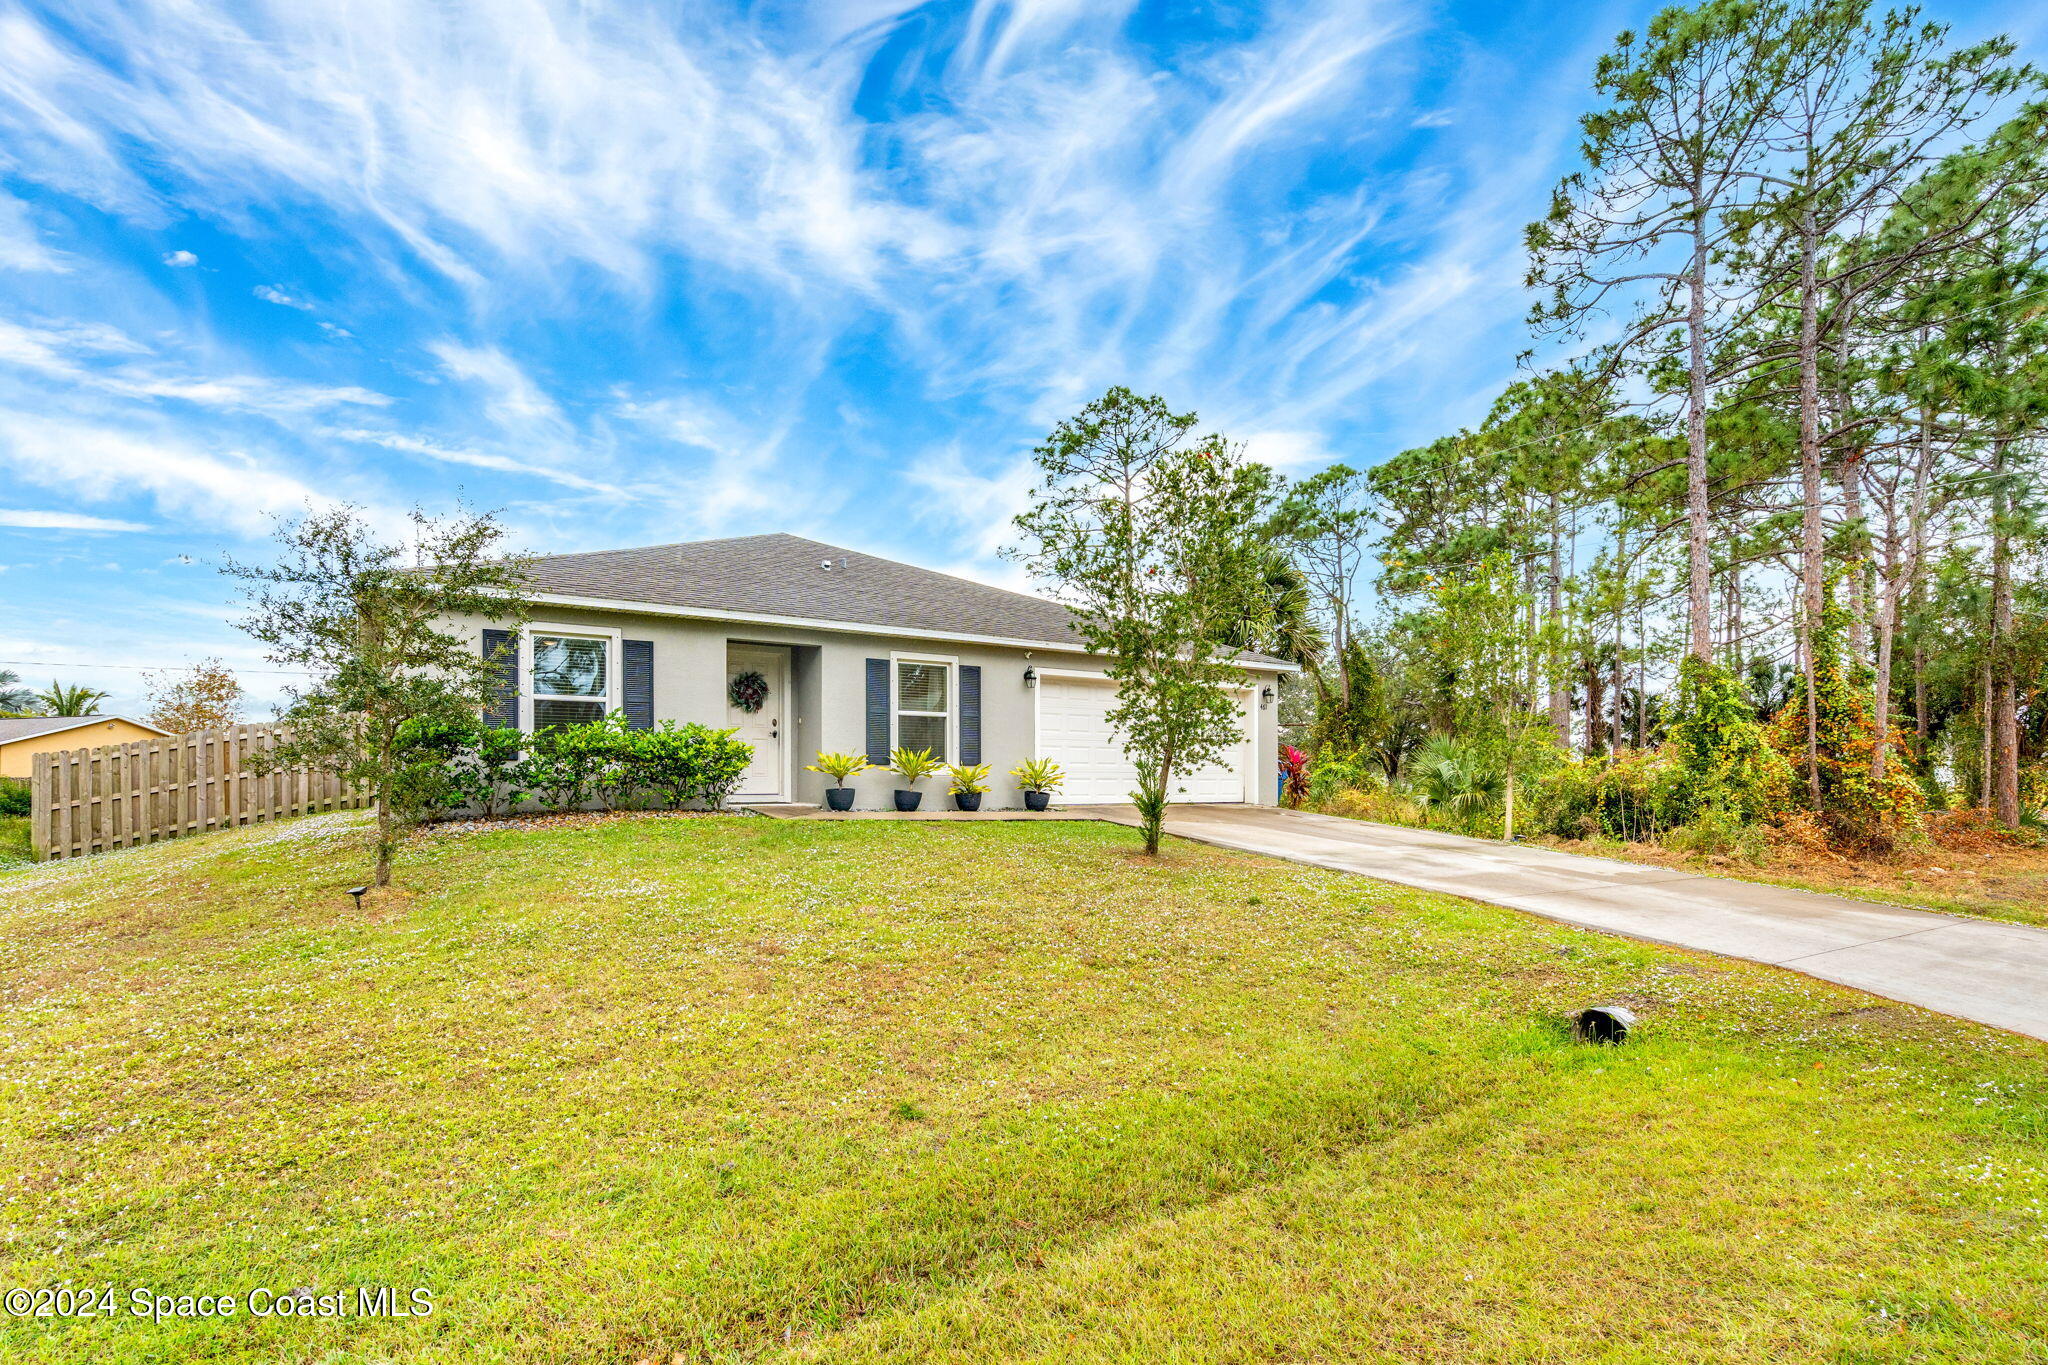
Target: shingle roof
x=785, y=576
x=28, y=727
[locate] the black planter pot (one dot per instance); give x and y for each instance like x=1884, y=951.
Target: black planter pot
x=968, y=800
x=839, y=798
x=1037, y=800
x=908, y=800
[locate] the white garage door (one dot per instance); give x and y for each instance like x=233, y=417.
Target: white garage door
x=1074, y=731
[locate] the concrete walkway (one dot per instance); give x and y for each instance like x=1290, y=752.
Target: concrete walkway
x=1977, y=969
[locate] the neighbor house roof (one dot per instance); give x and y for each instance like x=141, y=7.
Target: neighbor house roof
x=789, y=578
x=29, y=727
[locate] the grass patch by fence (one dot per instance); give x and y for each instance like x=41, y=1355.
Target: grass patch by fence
x=14, y=842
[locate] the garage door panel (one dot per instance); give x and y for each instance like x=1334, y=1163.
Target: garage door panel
x=1074, y=731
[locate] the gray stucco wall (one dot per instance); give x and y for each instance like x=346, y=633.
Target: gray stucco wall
x=828, y=685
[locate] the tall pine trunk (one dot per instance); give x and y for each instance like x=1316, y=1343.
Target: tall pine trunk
x=1901, y=574
x=1812, y=534
x=2002, y=742
x=1858, y=571
x=1560, y=695
x=1699, y=559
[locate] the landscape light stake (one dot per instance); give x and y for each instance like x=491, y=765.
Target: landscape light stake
x=357, y=892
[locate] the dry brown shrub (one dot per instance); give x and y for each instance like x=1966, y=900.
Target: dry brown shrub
x=1972, y=829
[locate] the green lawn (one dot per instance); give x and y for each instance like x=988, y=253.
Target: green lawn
x=741, y=1089
x=14, y=841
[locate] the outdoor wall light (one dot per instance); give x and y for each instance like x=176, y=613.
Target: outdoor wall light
x=1265, y=697
x=1030, y=676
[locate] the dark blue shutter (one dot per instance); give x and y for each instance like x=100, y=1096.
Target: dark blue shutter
x=503, y=708
x=970, y=713
x=878, y=711
x=636, y=671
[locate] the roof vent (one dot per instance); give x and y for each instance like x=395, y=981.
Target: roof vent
x=833, y=565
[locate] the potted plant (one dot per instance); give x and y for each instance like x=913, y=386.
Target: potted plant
x=1040, y=778
x=913, y=766
x=968, y=783
x=839, y=767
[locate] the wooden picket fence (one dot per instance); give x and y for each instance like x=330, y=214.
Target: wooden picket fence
x=121, y=795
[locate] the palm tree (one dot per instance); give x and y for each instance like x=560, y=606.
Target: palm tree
x=1449, y=777
x=13, y=696
x=1278, y=619
x=76, y=700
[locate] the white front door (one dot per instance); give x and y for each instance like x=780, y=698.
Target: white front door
x=766, y=777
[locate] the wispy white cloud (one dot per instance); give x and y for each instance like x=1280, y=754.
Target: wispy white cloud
x=100, y=357
x=478, y=459
x=34, y=519
x=21, y=246
x=180, y=259
x=238, y=492
x=975, y=501
x=514, y=400
x=270, y=293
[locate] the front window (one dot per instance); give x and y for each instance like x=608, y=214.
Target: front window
x=571, y=679
x=923, y=706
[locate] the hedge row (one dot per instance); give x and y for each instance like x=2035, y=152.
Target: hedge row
x=604, y=765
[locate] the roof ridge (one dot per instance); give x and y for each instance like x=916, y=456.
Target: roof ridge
x=791, y=536
x=73, y=722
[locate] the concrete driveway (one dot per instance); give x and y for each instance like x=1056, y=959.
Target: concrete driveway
x=1977, y=969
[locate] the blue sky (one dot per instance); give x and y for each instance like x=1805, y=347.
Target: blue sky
x=635, y=274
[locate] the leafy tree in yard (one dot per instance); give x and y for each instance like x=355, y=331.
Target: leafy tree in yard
x=371, y=621
x=1152, y=539
x=206, y=696
x=1324, y=523
x=70, y=699
x=1731, y=770
x=1486, y=644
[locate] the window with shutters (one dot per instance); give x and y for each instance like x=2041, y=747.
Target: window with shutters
x=925, y=704
x=572, y=676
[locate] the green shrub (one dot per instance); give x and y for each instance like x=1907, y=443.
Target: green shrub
x=606, y=763
x=1375, y=803
x=1730, y=767
x=1638, y=797
x=491, y=774
x=1453, y=782
x=13, y=796
x=684, y=763
x=1719, y=830
x=617, y=766
x=1331, y=772
x=429, y=774
x=1567, y=801
x=562, y=763
x=1857, y=809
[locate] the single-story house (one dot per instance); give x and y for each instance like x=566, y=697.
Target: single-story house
x=25, y=736
x=837, y=650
